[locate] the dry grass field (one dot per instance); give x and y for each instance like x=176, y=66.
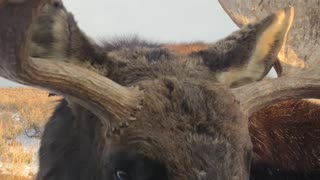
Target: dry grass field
x=22, y=110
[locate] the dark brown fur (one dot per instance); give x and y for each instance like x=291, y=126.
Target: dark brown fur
x=286, y=140
x=190, y=126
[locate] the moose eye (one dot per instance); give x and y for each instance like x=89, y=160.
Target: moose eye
x=57, y=3
x=121, y=175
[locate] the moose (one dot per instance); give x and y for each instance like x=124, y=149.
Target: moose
x=139, y=110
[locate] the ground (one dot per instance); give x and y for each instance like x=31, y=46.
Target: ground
x=23, y=112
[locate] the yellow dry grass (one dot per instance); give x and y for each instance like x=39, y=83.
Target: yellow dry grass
x=12, y=177
x=32, y=104
x=33, y=108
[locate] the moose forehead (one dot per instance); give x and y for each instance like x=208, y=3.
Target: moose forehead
x=181, y=95
x=183, y=126
x=145, y=63
x=184, y=131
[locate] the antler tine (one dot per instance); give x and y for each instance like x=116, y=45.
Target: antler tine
x=301, y=50
x=98, y=94
x=256, y=96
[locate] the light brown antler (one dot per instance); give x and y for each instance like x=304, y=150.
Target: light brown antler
x=299, y=59
x=96, y=93
x=256, y=96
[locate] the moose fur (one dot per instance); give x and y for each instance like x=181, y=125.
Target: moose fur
x=189, y=126
x=285, y=140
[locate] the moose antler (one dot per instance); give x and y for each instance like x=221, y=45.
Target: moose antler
x=298, y=60
x=256, y=96
x=96, y=93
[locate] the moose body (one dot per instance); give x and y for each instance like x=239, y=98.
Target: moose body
x=169, y=112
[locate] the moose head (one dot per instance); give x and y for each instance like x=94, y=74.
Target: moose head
x=135, y=110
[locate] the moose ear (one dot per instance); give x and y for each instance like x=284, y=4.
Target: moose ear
x=249, y=53
x=56, y=35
